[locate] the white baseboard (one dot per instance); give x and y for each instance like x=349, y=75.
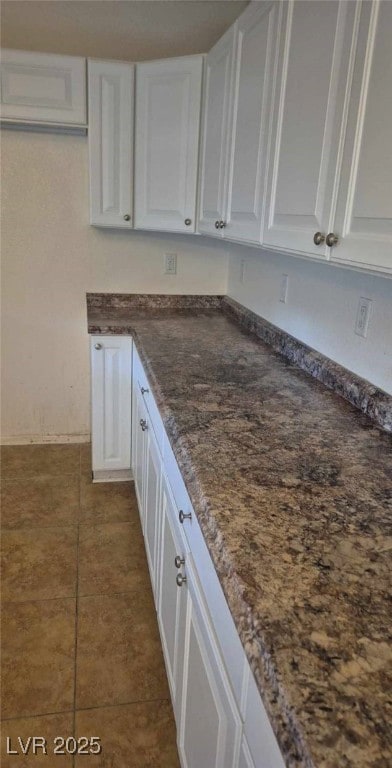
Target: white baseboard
x=112, y=475
x=85, y=437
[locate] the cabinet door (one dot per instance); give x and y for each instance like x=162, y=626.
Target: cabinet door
x=110, y=138
x=245, y=760
x=216, y=132
x=139, y=417
x=43, y=87
x=152, y=504
x=314, y=60
x=364, y=208
x=255, y=59
x=210, y=727
x=172, y=598
x=111, y=367
x=168, y=95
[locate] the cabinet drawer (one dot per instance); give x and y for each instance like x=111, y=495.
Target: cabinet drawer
x=141, y=381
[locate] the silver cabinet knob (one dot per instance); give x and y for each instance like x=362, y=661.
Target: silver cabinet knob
x=222, y=224
x=180, y=579
x=217, y=224
x=143, y=425
x=331, y=239
x=179, y=561
x=97, y=346
x=182, y=516
x=188, y=222
x=144, y=391
x=318, y=238
x=127, y=217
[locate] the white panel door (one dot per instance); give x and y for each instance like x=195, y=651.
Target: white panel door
x=152, y=504
x=255, y=59
x=139, y=419
x=172, y=598
x=245, y=760
x=110, y=138
x=216, y=133
x=111, y=366
x=168, y=97
x=43, y=87
x=363, y=220
x=210, y=727
x=314, y=60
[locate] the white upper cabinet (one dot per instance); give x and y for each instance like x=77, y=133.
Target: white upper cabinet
x=43, y=88
x=314, y=60
x=111, y=143
x=216, y=133
x=168, y=98
x=363, y=221
x=255, y=58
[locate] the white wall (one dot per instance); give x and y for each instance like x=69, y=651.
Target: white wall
x=51, y=257
x=321, y=307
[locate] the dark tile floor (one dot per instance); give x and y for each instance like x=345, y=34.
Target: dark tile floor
x=81, y=654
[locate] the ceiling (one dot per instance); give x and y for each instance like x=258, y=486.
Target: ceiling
x=116, y=29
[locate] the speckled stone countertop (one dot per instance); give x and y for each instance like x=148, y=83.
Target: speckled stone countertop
x=292, y=487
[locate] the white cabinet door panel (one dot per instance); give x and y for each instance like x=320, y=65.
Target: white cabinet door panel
x=138, y=449
x=260, y=738
x=172, y=599
x=111, y=143
x=168, y=96
x=111, y=365
x=363, y=220
x=152, y=505
x=210, y=727
x=43, y=87
x=314, y=61
x=216, y=131
x=256, y=51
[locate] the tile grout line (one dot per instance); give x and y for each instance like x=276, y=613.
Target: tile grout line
x=84, y=709
x=77, y=606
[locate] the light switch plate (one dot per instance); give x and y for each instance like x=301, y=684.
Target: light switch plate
x=363, y=316
x=170, y=263
x=284, y=285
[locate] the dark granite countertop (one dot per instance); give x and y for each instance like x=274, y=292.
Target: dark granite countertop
x=292, y=487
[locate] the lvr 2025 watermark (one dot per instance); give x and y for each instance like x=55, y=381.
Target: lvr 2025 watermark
x=84, y=745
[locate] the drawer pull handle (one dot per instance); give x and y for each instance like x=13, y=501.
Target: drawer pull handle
x=144, y=390
x=180, y=579
x=179, y=561
x=182, y=516
x=143, y=425
x=97, y=346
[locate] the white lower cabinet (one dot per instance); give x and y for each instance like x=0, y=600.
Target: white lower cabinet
x=221, y=721
x=210, y=726
x=245, y=760
x=111, y=366
x=152, y=502
x=172, y=599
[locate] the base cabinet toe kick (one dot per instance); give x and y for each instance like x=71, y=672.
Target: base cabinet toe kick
x=220, y=718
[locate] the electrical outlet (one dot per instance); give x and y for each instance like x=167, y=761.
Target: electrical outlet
x=284, y=285
x=363, y=316
x=242, y=270
x=170, y=263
